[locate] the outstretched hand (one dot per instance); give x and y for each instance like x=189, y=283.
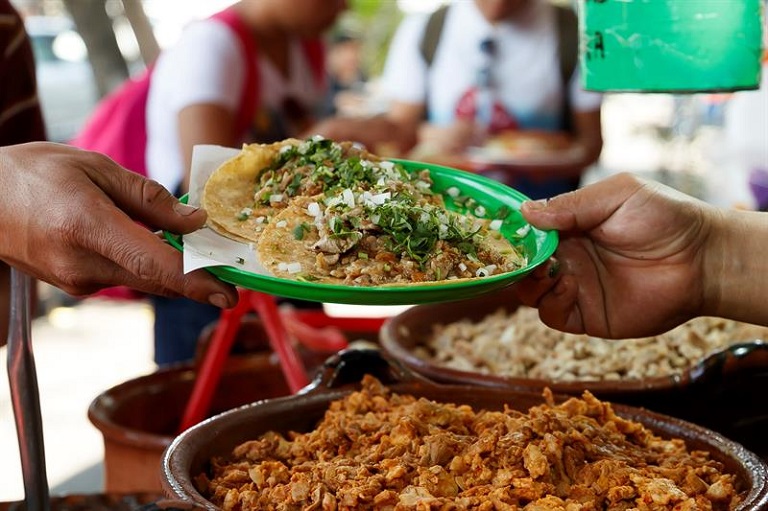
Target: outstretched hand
x=69, y=217
x=632, y=258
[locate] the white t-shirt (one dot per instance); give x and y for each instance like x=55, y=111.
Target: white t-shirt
x=207, y=65
x=526, y=68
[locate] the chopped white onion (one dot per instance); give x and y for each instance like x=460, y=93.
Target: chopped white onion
x=480, y=211
x=281, y=224
x=276, y=197
x=293, y=267
x=313, y=209
x=453, y=192
x=349, y=197
x=386, y=165
x=481, y=272
x=260, y=220
x=462, y=267
x=495, y=225
x=381, y=198
x=523, y=230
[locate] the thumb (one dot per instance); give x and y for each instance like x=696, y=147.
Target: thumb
x=583, y=209
x=147, y=201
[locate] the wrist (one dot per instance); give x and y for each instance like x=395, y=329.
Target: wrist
x=735, y=271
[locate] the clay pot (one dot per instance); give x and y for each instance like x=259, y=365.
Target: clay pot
x=717, y=393
x=189, y=454
x=139, y=418
x=93, y=502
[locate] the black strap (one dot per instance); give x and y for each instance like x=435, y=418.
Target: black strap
x=432, y=31
x=567, y=41
x=567, y=27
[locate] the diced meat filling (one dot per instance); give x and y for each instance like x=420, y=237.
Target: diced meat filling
x=376, y=450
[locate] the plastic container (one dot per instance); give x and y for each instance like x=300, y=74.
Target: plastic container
x=670, y=45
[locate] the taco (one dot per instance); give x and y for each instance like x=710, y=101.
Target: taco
x=228, y=196
x=246, y=192
x=373, y=238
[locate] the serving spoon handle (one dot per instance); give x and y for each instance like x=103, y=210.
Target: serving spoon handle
x=25, y=396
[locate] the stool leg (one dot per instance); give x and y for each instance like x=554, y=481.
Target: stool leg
x=293, y=368
x=209, y=372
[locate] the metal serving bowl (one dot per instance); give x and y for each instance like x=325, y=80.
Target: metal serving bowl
x=189, y=454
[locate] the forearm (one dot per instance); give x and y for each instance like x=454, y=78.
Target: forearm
x=736, y=267
x=12, y=221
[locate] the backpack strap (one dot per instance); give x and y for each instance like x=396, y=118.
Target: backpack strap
x=432, y=32
x=566, y=25
x=567, y=41
x=250, y=94
x=314, y=50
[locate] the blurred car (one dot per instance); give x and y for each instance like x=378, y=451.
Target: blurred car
x=65, y=81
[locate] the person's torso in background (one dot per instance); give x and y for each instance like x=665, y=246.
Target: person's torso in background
x=526, y=66
x=206, y=66
x=525, y=70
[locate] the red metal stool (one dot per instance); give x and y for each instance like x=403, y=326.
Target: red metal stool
x=312, y=328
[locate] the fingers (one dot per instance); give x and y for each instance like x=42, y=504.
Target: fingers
x=100, y=272
x=198, y=285
x=154, y=265
x=540, y=281
x=558, y=308
x=555, y=295
x=583, y=209
x=144, y=261
x=147, y=201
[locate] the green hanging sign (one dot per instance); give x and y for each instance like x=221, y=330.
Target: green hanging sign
x=670, y=45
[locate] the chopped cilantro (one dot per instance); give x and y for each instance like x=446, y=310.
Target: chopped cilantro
x=300, y=230
x=502, y=213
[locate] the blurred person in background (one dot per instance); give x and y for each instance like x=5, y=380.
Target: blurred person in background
x=477, y=69
x=21, y=119
x=66, y=214
x=637, y=258
x=346, y=77
x=199, y=92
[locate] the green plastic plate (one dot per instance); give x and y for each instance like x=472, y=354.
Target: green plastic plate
x=491, y=195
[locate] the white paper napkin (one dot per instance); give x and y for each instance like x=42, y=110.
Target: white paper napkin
x=205, y=247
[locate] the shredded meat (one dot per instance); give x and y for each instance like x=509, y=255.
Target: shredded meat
x=377, y=450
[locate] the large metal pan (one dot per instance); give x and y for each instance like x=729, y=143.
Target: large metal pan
x=190, y=453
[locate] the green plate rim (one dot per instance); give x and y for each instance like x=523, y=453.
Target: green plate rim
x=392, y=295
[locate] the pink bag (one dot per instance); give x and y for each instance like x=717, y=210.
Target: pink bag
x=118, y=126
